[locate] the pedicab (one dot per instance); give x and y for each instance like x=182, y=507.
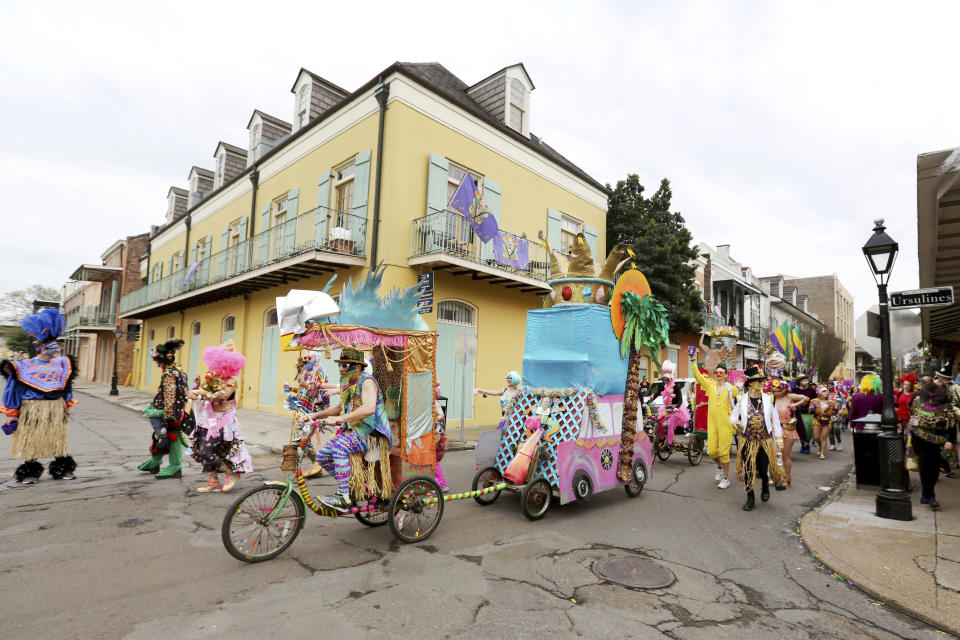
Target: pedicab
x=392, y=483
x=562, y=433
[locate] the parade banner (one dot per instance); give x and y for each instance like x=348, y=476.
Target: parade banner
x=511, y=251
x=468, y=201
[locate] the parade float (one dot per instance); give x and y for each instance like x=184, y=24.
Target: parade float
x=572, y=429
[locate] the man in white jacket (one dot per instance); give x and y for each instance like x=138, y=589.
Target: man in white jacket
x=761, y=438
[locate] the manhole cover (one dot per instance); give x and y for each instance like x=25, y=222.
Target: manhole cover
x=631, y=571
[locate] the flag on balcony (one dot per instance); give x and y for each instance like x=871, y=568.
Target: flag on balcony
x=192, y=271
x=511, y=251
x=468, y=201
x=780, y=339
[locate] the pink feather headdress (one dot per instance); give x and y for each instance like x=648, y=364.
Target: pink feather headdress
x=224, y=361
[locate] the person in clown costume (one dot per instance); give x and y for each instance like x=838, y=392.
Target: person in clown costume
x=37, y=400
x=721, y=399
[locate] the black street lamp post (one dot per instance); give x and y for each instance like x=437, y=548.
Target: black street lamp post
x=117, y=333
x=893, y=502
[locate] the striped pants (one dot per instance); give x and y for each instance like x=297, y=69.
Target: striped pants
x=334, y=457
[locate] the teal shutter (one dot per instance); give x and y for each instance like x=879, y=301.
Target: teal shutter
x=553, y=230
x=264, y=237
x=193, y=254
x=432, y=232
x=590, y=233
x=323, y=211
x=491, y=195
x=204, y=273
x=290, y=226
x=359, y=195
x=242, y=247
x=224, y=254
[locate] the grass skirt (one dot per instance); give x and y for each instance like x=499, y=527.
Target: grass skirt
x=747, y=451
x=42, y=432
x=370, y=472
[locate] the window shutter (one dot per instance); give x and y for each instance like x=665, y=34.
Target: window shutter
x=205, y=266
x=491, y=195
x=361, y=184
x=553, y=229
x=323, y=211
x=439, y=168
x=290, y=226
x=242, y=247
x=224, y=253
x=590, y=233
x=264, y=237
x=193, y=253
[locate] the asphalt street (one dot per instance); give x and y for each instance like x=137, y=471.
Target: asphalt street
x=118, y=554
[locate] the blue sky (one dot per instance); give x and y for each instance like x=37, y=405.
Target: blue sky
x=785, y=128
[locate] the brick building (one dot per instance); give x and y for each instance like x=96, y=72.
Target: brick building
x=90, y=302
x=832, y=304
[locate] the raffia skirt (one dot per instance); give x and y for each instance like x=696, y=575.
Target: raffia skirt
x=42, y=431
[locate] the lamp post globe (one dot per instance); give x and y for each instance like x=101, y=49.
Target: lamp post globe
x=117, y=334
x=892, y=501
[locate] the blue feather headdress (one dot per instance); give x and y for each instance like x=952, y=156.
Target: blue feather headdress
x=44, y=327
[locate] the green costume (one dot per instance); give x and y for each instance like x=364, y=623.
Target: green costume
x=167, y=415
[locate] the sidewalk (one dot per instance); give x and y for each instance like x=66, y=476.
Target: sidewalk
x=913, y=566
x=260, y=429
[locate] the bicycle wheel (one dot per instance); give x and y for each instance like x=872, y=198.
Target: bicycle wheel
x=638, y=477
x=415, y=509
x=535, y=498
x=372, y=518
x=245, y=531
x=486, y=477
x=695, y=451
x=663, y=449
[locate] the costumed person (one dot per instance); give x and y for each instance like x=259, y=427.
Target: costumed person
x=801, y=386
x=721, y=399
x=823, y=409
x=953, y=393
x=673, y=412
x=761, y=438
x=37, y=400
x=868, y=399
x=506, y=394
x=362, y=418
x=930, y=418
x=218, y=445
x=903, y=397
x=441, y=430
x=312, y=391
x=839, y=397
x=787, y=403
x=167, y=413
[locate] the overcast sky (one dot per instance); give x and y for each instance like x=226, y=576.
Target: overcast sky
x=784, y=128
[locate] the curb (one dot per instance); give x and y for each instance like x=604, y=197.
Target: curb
x=825, y=557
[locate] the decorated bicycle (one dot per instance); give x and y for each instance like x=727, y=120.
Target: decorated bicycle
x=383, y=452
x=572, y=430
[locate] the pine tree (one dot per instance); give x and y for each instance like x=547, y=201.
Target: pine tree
x=662, y=244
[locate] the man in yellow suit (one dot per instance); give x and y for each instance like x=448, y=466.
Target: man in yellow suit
x=722, y=398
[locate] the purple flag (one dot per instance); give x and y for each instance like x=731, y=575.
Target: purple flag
x=511, y=251
x=468, y=200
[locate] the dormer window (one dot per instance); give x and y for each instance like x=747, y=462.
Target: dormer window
x=518, y=105
x=303, y=106
x=255, y=134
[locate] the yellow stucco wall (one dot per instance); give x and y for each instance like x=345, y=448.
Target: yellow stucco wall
x=410, y=137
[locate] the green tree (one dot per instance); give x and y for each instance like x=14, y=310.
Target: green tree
x=14, y=305
x=17, y=340
x=825, y=354
x=662, y=244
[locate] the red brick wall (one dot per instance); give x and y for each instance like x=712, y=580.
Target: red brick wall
x=135, y=247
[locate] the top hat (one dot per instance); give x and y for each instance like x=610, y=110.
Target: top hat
x=351, y=356
x=946, y=371
x=754, y=373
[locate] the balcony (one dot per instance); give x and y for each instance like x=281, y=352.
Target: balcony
x=753, y=336
x=445, y=240
x=91, y=321
x=319, y=241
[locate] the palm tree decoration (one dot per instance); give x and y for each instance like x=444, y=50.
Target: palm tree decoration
x=640, y=323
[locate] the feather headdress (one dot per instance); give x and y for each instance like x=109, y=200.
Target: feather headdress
x=871, y=383
x=44, y=326
x=224, y=361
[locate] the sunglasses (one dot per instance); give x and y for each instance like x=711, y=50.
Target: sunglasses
x=344, y=365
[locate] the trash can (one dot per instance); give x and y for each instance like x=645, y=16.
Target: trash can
x=866, y=451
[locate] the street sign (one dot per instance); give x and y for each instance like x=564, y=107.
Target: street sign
x=873, y=324
x=933, y=297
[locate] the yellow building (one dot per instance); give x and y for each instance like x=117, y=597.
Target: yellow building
x=362, y=178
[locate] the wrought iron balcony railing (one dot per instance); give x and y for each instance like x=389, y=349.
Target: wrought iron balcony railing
x=322, y=229
x=103, y=320
x=449, y=233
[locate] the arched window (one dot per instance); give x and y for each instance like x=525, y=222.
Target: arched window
x=457, y=312
x=228, y=326
x=195, y=330
x=171, y=332
x=270, y=319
